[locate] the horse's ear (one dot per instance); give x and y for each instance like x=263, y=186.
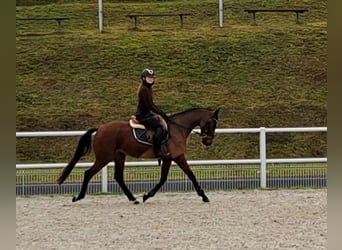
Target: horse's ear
x=216, y=113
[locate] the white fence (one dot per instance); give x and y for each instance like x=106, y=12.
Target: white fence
x=263, y=160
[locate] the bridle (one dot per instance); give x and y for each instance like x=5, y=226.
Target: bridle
x=205, y=134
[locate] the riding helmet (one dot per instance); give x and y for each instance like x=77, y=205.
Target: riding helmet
x=147, y=72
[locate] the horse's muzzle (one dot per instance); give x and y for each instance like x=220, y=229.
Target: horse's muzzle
x=207, y=141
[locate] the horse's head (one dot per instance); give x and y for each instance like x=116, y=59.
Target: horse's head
x=208, y=127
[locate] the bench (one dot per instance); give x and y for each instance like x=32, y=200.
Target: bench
x=135, y=17
x=57, y=19
x=297, y=11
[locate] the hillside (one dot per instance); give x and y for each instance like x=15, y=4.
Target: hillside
x=273, y=74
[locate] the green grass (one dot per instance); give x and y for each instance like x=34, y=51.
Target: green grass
x=273, y=74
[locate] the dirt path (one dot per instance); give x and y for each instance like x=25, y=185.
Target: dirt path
x=285, y=219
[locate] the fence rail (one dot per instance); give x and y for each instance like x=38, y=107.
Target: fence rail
x=218, y=131
x=262, y=162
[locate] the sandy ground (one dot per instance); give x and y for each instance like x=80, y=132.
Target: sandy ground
x=282, y=219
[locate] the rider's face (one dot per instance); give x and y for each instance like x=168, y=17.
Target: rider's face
x=149, y=80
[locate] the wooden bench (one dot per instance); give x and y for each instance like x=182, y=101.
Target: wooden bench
x=297, y=11
x=57, y=19
x=135, y=17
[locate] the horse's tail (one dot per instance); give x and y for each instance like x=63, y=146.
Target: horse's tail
x=83, y=147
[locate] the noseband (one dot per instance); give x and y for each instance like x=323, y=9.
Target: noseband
x=205, y=134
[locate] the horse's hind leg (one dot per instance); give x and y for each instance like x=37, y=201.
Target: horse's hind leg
x=163, y=177
x=118, y=175
x=88, y=174
x=183, y=164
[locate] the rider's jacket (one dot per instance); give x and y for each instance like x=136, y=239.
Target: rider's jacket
x=145, y=101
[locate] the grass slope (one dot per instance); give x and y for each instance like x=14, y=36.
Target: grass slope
x=272, y=74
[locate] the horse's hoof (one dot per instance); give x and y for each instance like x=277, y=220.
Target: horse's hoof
x=135, y=202
x=74, y=199
x=145, y=197
x=205, y=199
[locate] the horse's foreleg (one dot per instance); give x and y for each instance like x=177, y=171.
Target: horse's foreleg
x=183, y=164
x=118, y=175
x=88, y=174
x=163, y=177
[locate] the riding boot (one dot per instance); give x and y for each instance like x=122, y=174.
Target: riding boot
x=157, y=143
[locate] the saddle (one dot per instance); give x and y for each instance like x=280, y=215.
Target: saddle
x=144, y=135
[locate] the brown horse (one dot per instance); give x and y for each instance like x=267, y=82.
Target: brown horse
x=114, y=140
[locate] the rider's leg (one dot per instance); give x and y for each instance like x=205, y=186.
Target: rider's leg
x=152, y=123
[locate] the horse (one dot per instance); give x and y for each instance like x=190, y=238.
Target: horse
x=114, y=140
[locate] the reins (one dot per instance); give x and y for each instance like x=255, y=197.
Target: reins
x=202, y=134
x=179, y=125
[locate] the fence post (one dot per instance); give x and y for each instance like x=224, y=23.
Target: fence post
x=104, y=180
x=262, y=142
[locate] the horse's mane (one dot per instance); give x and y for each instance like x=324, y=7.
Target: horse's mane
x=191, y=110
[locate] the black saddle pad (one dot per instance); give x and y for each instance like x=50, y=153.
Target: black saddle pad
x=142, y=136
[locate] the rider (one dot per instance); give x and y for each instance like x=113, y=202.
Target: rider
x=146, y=110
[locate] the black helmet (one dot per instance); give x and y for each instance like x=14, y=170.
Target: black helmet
x=147, y=72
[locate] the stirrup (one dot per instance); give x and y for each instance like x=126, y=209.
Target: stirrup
x=159, y=155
